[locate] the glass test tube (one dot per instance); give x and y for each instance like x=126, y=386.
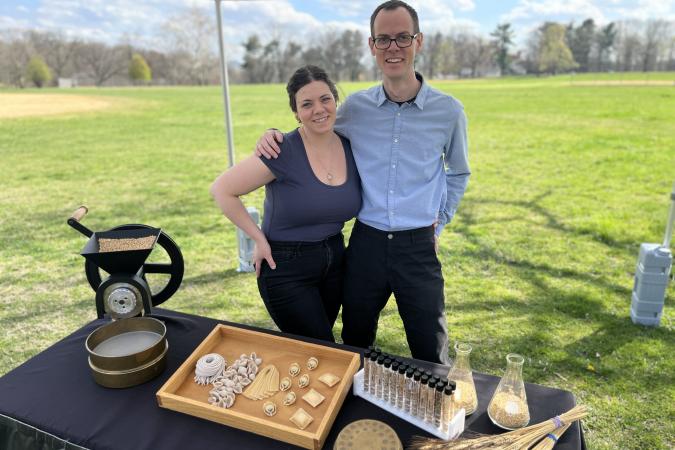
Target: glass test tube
x=422, y=404
x=438, y=405
x=393, y=385
x=386, y=371
x=373, y=366
x=366, y=370
x=379, y=368
x=400, y=390
x=409, y=382
x=431, y=394
x=415, y=394
x=448, y=407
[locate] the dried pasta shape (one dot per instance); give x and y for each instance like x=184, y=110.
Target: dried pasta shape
x=301, y=418
x=209, y=367
x=303, y=381
x=289, y=398
x=285, y=384
x=329, y=379
x=270, y=408
x=312, y=363
x=314, y=398
x=294, y=369
x=265, y=385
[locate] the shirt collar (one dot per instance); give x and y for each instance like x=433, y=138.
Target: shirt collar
x=381, y=97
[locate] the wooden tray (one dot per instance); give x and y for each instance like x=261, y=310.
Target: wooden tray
x=181, y=393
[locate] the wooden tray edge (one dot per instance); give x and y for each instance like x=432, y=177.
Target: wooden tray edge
x=237, y=420
x=167, y=399
x=344, y=387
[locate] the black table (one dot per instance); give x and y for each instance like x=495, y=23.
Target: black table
x=52, y=402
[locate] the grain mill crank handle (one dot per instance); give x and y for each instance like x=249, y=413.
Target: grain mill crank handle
x=74, y=221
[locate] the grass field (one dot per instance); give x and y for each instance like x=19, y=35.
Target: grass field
x=569, y=177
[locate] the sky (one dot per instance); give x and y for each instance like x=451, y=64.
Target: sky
x=140, y=21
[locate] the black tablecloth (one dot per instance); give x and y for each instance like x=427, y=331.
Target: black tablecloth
x=51, y=401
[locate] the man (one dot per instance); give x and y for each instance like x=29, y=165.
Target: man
x=410, y=145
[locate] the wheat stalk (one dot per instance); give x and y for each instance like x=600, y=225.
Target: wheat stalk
x=514, y=440
x=548, y=442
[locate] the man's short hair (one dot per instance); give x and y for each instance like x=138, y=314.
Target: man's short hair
x=390, y=6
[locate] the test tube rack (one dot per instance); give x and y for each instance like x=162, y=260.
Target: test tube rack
x=455, y=428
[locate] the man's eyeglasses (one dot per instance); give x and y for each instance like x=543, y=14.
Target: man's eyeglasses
x=402, y=41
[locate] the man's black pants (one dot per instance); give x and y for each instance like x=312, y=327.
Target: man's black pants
x=379, y=263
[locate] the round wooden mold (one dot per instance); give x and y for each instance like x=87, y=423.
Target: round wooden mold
x=367, y=434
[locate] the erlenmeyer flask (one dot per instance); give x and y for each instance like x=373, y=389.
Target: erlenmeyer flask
x=508, y=408
x=465, y=392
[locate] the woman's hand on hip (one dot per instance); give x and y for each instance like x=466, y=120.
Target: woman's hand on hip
x=262, y=251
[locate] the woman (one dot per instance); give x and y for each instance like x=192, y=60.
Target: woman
x=310, y=191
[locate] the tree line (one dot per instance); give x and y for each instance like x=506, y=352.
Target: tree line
x=36, y=58
x=550, y=49
x=186, y=57
x=189, y=57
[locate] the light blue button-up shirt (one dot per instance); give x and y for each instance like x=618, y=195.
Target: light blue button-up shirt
x=412, y=159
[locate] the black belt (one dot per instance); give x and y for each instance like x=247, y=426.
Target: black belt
x=413, y=235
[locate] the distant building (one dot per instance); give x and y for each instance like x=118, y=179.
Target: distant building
x=465, y=72
x=67, y=83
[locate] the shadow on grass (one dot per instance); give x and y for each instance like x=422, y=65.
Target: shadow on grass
x=211, y=277
x=551, y=221
x=545, y=304
x=582, y=358
x=523, y=266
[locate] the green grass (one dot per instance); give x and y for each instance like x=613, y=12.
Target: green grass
x=568, y=180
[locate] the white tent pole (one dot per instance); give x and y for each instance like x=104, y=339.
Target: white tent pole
x=245, y=244
x=226, y=84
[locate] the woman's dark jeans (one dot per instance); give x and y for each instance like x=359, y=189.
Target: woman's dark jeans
x=304, y=293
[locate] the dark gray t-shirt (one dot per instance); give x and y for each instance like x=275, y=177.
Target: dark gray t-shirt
x=298, y=206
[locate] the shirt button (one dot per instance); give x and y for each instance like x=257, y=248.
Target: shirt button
x=398, y=113
x=390, y=236
x=391, y=192
x=395, y=140
x=393, y=166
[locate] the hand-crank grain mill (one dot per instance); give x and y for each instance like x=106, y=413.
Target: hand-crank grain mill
x=129, y=290
x=129, y=350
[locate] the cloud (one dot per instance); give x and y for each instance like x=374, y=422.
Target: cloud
x=107, y=21
x=530, y=10
x=262, y=12
x=272, y=20
x=11, y=23
x=527, y=12
x=464, y=5
x=112, y=21
x=528, y=15
x=648, y=9
x=439, y=15
x=347, y=8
